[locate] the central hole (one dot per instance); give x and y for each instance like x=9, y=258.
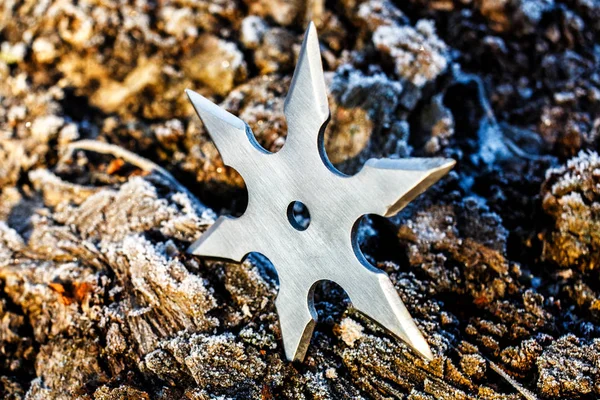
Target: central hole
x=298, y=215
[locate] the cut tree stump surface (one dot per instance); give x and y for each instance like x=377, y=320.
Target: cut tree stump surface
x=107, y=176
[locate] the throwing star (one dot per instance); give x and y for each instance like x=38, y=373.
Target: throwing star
x=327, y=249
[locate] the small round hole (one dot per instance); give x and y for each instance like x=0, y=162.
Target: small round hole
x=298, y=215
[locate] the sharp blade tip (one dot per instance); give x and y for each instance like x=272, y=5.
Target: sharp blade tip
x=207, y=110
x=196, y=98
x=190, y=93
x=444, y=165
x=426, y=353
x=420, y=346
x=450, y=163
x=310, y=67
x=193, y=248
x=311, y=40
x=437, y=165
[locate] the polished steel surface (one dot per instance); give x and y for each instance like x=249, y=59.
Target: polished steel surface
x=300, y=171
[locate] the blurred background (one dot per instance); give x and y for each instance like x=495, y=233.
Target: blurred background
x=499, y=261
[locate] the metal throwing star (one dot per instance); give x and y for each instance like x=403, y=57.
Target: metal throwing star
x=300, y=171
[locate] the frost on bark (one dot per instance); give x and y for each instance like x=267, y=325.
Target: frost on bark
x=498, y=263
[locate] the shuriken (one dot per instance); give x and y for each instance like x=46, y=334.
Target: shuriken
x=300, y=171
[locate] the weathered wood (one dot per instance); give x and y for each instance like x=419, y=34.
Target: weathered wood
x=497, y=263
